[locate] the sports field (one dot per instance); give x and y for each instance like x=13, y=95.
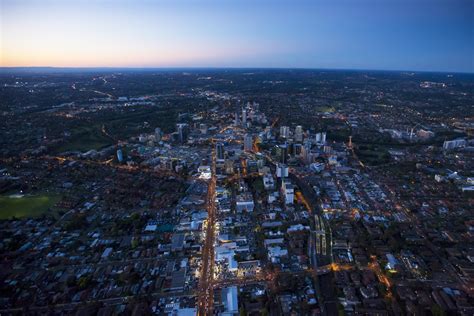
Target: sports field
x=26, y=206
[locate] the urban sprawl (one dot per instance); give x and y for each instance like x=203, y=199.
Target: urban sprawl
x=236, y=193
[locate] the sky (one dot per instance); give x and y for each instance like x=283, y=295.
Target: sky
x=418, y=35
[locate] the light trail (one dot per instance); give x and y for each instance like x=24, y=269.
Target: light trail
x=206, y=289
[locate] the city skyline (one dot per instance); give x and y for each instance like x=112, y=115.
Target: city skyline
x=399, y=35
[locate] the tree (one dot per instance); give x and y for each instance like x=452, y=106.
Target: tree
x=436, y=310
x=340, y=309
x=84, y=282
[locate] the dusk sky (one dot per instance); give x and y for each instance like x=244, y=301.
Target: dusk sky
x=427, y=35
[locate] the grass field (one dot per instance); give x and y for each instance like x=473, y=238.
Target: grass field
x=372, y=154
x=86, y=138
x=26, y=206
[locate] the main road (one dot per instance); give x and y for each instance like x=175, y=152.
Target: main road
x=206, y=287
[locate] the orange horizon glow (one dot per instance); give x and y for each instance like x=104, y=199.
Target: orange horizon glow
x=169, y=59
x=53, y=33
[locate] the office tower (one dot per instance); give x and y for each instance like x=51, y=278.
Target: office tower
x=182, y=129
x=220, y=150
x=323, y=138
x=306, y=152
x=296, y=149
x=229, y=166
x=203, y=128
x=283, y=152
x=157, y=134
x=119, y=155
x=237, y=121
x=299, y=133
x=284, y=132
x=281, y=171
x=248, y=142
x=288, y=191
x=268, y=132
x=318, y=138
x=252, y=115
x=244, y=117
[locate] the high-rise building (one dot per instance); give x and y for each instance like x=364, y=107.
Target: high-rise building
x=244, y=117
x=268, y=132
x=142, y=138
x=220, y=150
x=281, y=171
x=288, y=191
x=305, y=151
x=306, y=154
x=251, y=115
x=284, y=132
x=323, y=138
x=157, y=134
x=119, y=155
x=237, y=121
x=182, y=129
x=299, y=133
x=283, y=152
x=296, y=149
x=318, y=138
x=229, y=166
x=203, y=128
x=248, y=142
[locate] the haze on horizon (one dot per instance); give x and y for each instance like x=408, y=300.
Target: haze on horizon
x=419, y=35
